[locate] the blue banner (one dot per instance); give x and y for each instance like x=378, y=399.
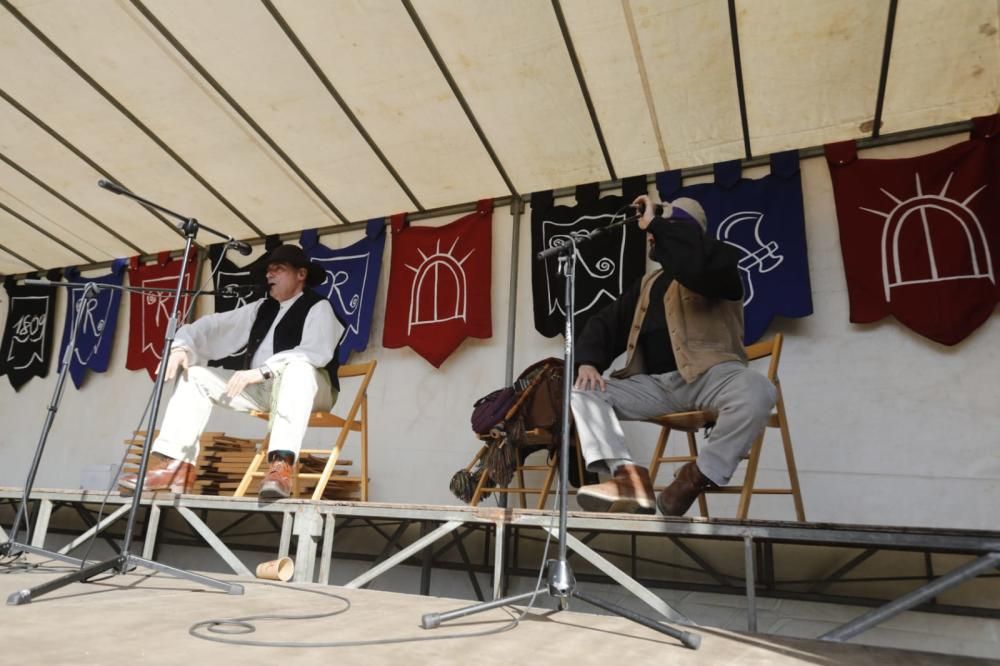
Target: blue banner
x=764, y=220
x=352, y=275
x=98, y=321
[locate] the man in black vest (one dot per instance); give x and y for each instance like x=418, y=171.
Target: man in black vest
x=289, y=342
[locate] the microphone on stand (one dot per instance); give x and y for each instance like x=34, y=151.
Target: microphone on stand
x=240, y=246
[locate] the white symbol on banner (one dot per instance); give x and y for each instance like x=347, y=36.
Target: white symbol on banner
x=236, y=290
x=445, y=272
x=603, y=267
x=335, y=286
x=157, y=308
x=915, y=210
x=29, y=329
x=93, y=325
x=758, y=256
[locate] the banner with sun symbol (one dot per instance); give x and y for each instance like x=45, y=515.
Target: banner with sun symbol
x=921, y=236
x=763, y=220
x=439, y=284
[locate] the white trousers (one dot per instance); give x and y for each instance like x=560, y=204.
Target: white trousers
x=742, y=398
x=296, y=391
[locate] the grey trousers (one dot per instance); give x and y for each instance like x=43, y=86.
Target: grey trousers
x=742, y=398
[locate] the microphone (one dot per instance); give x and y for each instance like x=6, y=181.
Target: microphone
x=240, y=246
x=111, y=187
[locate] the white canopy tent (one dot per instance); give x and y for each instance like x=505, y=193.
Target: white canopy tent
x=270, y=117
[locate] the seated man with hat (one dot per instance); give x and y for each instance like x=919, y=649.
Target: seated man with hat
x=290, y=339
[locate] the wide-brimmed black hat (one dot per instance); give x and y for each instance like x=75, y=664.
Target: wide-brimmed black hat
x=296, y=258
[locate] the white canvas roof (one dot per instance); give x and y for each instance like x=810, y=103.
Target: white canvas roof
x=273, y=116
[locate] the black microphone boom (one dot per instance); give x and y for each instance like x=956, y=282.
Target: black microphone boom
x=111, y=187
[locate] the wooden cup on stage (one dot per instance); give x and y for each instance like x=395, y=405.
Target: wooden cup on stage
x=279, y=569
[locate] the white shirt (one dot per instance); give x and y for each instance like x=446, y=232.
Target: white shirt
x=224, y=333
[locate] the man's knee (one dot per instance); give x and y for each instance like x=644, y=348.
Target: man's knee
x=299, y=375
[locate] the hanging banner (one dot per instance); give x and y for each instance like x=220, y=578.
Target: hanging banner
x=236, y=286
x=439, y=284
x=27, y=340
x=98, y=317
x=920, y=236
x=604, y=268
x=351, y=283
x=764, y=220
x=150, y=311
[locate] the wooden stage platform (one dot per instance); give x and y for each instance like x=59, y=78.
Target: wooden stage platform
x=145, y=619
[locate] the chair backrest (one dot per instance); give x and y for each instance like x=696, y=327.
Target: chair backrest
x=765, y=348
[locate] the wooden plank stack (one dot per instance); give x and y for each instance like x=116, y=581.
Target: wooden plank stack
x=223, y=460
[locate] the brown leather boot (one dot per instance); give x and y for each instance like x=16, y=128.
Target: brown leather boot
x=678, y=497
x=277, y=483
x=628, y=491
x=164, y=473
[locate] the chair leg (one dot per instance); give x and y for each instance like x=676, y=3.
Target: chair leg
x=520, y=480
x=793, y=473
x=364, y=449
x=661, y=443
x=477, y=495
x=241, y=490
x=751, y=477
x=693, y=451
x=543, y=496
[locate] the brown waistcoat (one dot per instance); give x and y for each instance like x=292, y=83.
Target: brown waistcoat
x=703, y=331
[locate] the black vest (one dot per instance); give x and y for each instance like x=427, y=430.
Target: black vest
x=288, y=332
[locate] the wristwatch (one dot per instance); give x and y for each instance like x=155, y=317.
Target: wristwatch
x=265, y=372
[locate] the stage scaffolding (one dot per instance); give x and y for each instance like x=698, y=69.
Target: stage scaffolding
x=492, y=541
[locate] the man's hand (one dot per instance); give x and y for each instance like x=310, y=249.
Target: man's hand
x=643, y=200
x=178, y=359
x=240, y=380
x=587, y=378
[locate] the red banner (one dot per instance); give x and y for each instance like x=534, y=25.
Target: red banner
x=439, y=284
x=150, y=311
x=921, y=236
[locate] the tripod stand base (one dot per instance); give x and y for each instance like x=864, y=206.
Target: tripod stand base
x=121, y=564
x=11, y=548
x=562, y=586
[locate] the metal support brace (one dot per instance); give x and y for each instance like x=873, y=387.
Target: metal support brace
x=93, y=530
x=152, y=527
x=327, y=556
x=916, y=597
x=209, y=536
x=751, y=584
x=414, y=547
x=285, y=543
x=622, y=578
x=308, y=527
x=498, y=551
x=41, y=524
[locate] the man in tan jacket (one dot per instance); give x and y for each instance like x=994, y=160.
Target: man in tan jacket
x=681, y=328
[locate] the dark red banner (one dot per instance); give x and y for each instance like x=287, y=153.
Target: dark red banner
x=150, y=311
x=921, y=236
x=439, y=284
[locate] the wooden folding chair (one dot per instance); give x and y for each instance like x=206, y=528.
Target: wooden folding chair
x=535, y=437
x=350, y=423
x=691, y=422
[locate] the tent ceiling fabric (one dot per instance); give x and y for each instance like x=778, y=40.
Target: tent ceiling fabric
x=273, y=116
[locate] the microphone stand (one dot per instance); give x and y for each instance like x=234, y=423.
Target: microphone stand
x=125, y=561
x=561, y=581
x=12, y=546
